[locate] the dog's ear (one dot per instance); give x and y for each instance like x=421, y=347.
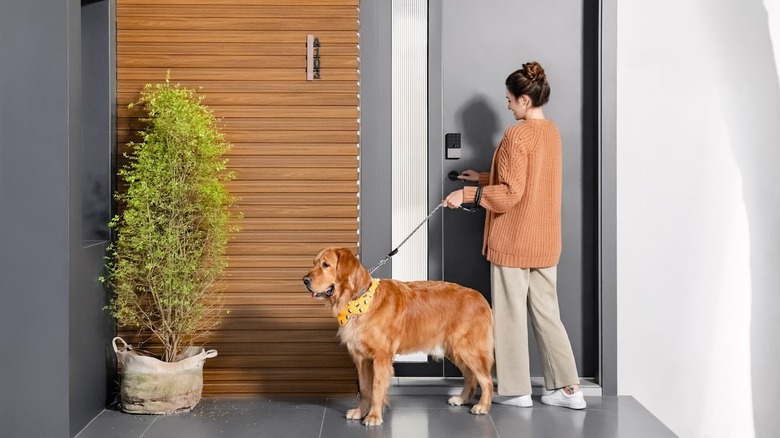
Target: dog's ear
x=351, y=275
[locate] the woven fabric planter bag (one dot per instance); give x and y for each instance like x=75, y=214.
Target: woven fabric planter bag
x=151, y=386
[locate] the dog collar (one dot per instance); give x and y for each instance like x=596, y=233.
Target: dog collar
x=358, y=306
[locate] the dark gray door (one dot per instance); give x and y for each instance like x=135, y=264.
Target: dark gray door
x=473, y=47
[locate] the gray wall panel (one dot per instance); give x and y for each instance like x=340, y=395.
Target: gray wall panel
x=53, y=371
x=375, y=134
x=608, y=196
x=34, y=217
x=91, y=106
x=91, y=357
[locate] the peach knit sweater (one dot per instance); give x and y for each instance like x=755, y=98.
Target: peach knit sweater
x=522, y=196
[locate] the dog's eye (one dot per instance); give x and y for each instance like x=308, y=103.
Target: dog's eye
x=325, y=265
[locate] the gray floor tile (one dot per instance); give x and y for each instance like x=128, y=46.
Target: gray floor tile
x=605, y=417
x=255, y=404
x=539, y=421
x=397, y=402
x=633, y=419
x=409, y=417
x=240, y=421
x=116, y=424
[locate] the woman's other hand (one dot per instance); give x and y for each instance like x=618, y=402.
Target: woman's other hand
x=454, y=199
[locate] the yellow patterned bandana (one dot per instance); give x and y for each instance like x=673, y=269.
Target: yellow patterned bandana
x=359, y=305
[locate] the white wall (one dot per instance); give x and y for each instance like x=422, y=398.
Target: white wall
x=698, y=213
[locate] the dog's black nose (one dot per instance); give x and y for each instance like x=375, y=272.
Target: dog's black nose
x=306, y=281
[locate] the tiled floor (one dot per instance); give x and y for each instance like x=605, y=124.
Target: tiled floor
x=409, y=416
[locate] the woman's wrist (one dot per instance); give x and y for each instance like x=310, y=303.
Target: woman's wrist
x=469, y=192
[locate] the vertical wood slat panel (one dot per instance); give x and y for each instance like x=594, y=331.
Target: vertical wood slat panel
x=294, y=140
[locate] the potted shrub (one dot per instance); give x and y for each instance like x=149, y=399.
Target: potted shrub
x=169, y=252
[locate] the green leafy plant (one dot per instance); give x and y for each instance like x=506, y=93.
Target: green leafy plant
x=165, y=263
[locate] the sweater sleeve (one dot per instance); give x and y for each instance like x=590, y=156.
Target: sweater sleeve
x=512, y=169
x=469, y=194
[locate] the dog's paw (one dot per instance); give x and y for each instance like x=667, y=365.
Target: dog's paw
x=354, y=414
x=372, y=420
x=456, y=401
x=480, y=409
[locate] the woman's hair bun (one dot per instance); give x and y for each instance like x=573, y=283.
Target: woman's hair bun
x=530, y=80
x=534, y=72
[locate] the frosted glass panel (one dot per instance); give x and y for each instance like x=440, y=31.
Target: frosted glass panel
x=410, y=134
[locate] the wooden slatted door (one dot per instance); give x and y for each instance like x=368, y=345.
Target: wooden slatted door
x=295, y=156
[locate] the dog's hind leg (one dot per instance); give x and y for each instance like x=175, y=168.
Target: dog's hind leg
x=481, y=367
x=477, y=368
x=383, y=371
x=365, y=369
x=469, y=385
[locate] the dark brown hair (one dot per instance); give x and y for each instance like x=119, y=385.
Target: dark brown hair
x=531, y=81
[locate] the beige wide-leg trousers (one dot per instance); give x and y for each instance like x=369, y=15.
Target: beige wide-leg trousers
x=516, y=293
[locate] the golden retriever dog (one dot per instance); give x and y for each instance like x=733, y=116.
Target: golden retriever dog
x=379, y=320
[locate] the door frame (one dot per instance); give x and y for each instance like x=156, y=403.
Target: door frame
x=600, y=51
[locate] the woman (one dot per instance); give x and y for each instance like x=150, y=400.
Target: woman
x=522, y=196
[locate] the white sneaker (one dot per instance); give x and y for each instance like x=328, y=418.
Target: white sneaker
x=560, y=398
x=521, y=401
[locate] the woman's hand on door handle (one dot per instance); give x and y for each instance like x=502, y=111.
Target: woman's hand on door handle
x=469, y=175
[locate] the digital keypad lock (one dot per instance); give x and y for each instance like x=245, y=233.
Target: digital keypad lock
x=452, y=146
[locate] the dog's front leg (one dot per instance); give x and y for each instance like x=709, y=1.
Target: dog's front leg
x=365, y=378
x=382, y=370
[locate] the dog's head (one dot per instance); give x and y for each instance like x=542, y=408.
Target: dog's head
x=336, y=273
